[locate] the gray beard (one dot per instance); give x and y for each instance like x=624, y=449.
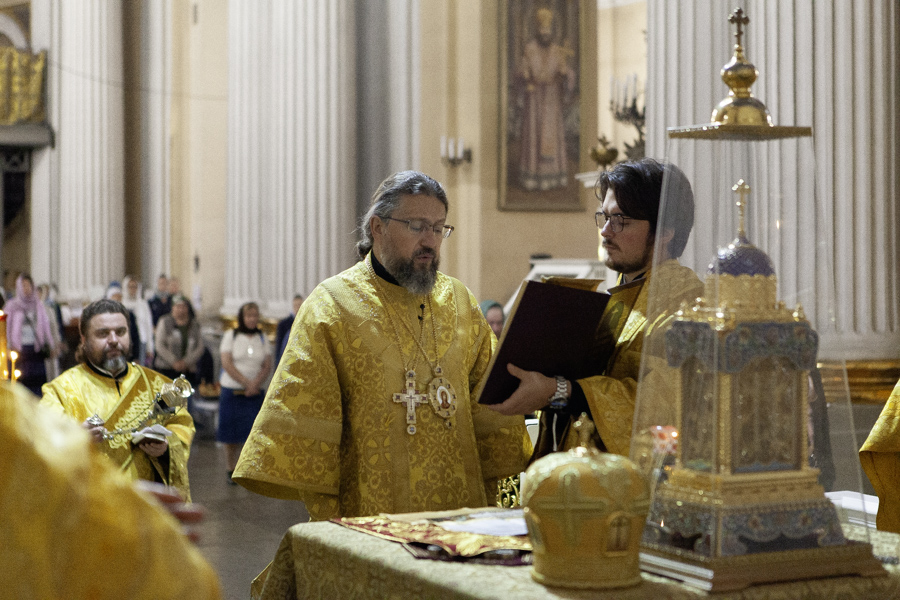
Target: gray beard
x=115, y=365
x=417, y=281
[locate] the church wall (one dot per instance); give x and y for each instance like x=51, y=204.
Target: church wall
x=621, y=53
x=17, y=247
x=199, y=143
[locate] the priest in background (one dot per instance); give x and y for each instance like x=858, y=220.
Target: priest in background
x=106, y=392
x=880, y=458
x=371, y=409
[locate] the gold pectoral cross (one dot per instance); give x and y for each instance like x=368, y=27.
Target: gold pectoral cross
x=411, y=399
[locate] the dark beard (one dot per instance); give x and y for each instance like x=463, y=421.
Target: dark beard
x=638, y=265
x=417, y=281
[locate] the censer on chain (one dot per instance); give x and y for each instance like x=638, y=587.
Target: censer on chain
x=169, y=399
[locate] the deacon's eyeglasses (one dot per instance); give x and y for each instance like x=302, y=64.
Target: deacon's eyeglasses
x=420, y=226
x=616, y=222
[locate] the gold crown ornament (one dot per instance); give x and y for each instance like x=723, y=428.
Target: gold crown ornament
x=585, y=512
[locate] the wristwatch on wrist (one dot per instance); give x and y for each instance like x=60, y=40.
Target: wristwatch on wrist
x=560, y=399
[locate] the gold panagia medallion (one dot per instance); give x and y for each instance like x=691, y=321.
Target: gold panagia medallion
x=442, y=396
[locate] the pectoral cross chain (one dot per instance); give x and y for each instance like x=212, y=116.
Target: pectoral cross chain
x=411, y=399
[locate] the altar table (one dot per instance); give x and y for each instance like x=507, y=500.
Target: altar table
x=326, y=560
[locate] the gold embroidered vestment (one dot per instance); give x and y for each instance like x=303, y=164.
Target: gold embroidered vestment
x=880, y=458
x=625, y=325
x=73, y=526
x=80, y=393
x=329, y=432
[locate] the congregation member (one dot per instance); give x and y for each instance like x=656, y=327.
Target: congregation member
x=246, y=364
x=106, y=393
x=178, y=342
x=630, y=195
x=284, y=328
x=371, y=409
x=160, y=302
x=47, y=294
x=140, y=308
x=493, y=314
x=73, y=527
x=29, y=332
x=114, y=292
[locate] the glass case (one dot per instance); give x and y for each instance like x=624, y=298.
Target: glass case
x=731, y=420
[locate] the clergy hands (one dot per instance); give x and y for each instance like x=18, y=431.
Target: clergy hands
x=154, y=448
x=189, y=515
x=94, y=429
x=533, y=393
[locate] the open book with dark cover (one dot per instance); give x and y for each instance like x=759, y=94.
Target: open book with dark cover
x=552, y=328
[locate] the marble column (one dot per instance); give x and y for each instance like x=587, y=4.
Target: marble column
x=155, y=116
x=77, y=193
x=829, y=65
x=291, y=171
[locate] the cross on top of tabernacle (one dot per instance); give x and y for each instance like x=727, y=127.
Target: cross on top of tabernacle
x=742, y=189
x=738, y=18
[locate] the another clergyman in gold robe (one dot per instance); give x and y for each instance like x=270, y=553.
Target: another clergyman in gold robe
x=371, y=408
x=632, y=327
x=880, y=458
x=121, y=395
x=611, y=396
x=73, y=527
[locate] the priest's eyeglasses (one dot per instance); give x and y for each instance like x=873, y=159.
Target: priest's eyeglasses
x=616, y=222
x=420, y=226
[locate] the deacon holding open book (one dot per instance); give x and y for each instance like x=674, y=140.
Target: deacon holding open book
x=628, y=216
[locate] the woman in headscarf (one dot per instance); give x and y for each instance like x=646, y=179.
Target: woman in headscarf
x=28, y=332
x=178, y=342
x=114, y=292
x=134, y=301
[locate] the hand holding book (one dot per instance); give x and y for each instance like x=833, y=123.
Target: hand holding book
x=551, y=330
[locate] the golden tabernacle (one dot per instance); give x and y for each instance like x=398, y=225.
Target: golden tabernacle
x=739, y=502
x=741, y=505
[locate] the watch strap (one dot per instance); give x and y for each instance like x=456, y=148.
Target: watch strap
x=560, y=400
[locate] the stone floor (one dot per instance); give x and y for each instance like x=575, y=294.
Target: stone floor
x=242, y=530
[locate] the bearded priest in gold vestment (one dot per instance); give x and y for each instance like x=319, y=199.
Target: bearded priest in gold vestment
x=106, y=393
x=371, y=408
x=72, y=526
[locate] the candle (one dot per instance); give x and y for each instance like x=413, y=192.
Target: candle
x=443, y=146
x=13, y=355
x=460, y=147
